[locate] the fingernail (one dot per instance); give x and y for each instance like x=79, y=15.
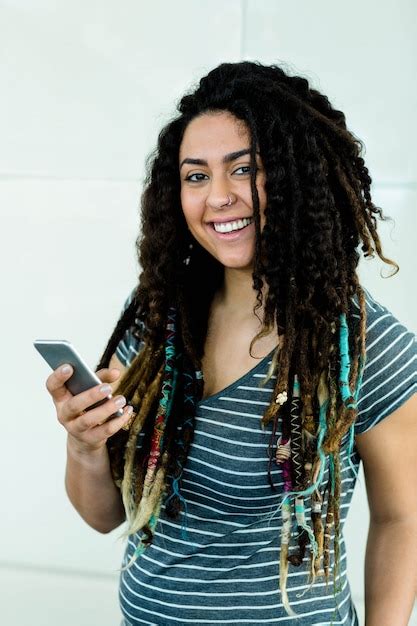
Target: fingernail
x=105, y=389
x=129, y=410
x=65, y=369
x=120, y=401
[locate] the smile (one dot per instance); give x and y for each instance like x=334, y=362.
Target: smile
x=228, y=227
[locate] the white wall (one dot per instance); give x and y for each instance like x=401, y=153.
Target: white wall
x=86, y=88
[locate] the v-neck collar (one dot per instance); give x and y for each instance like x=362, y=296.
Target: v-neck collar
x=239, y=381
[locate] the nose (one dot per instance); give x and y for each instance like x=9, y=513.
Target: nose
x=218, y=193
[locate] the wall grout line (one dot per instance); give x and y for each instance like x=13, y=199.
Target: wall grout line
x=407, y=184
x=21, y=568
x=243, y=23
x=82, y=179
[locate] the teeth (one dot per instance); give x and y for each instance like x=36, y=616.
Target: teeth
x=228, y=227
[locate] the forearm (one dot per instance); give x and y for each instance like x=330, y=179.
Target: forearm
x=390, y=573
x=91, y=489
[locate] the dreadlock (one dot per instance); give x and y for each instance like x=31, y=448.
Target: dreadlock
x=318, y=212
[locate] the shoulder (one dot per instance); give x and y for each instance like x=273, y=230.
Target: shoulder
x=378, y=317
x=390, y=373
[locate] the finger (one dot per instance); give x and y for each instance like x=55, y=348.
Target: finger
x=83, y=401
x=97, y=416
x=100, y=433
x=55, y=383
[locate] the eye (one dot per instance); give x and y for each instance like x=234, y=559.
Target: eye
x=191, y=178
x=247, y=169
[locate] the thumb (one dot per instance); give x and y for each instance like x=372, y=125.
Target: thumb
x=108, y=375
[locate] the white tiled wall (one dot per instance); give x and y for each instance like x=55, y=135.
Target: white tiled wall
x=363, y=56
x=37, y=597
x=90, y=83
x=86, y=88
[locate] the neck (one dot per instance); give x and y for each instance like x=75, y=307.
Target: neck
x=237, y=294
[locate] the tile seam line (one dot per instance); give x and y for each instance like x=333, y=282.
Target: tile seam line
x=243, y=22
x=87, y=179
x=22, y=568
x=72, y=179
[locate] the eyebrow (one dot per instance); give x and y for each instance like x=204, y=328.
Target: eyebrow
x=228, y=158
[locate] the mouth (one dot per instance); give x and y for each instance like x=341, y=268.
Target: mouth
x=231, y=226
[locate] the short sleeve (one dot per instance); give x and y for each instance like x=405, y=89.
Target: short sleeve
x=390, y=373
x=129, y=346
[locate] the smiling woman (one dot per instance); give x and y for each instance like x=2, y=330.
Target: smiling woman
x=217, y=195
x=237, y=470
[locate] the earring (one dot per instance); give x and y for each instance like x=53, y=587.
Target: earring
x=188, y=258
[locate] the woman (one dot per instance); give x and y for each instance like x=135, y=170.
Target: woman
x=260, y=373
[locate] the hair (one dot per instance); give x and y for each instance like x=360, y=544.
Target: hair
x=318, y=212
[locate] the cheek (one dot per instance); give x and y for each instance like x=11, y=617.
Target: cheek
x=191, y=207
x=185, y=205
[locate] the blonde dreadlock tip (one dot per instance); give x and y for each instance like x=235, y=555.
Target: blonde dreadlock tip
x=283, y=575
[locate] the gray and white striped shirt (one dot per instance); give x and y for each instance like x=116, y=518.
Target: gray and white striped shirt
x=227, y=570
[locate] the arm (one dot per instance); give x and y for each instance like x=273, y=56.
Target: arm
x=388, y=452
x=88, y=478
x=91, y=489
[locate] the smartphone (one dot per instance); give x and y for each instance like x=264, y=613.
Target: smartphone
x=56, y=352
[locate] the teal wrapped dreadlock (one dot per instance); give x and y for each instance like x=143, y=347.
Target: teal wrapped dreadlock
x=323, y=396
x=191, y=381
x=350, y=402
x=148, y=510
x=344, y=382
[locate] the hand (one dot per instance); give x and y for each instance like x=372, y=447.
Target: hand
x=88, y=430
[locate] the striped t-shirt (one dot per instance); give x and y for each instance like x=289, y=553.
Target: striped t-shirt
x=227, y=569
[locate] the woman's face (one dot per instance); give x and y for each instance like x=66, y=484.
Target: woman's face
x=214, y=163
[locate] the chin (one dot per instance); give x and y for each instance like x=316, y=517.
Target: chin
x=237, y=265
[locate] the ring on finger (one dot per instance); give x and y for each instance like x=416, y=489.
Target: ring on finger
x=129, y=422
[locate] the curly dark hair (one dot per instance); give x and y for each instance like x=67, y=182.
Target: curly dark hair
x=319, y=211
